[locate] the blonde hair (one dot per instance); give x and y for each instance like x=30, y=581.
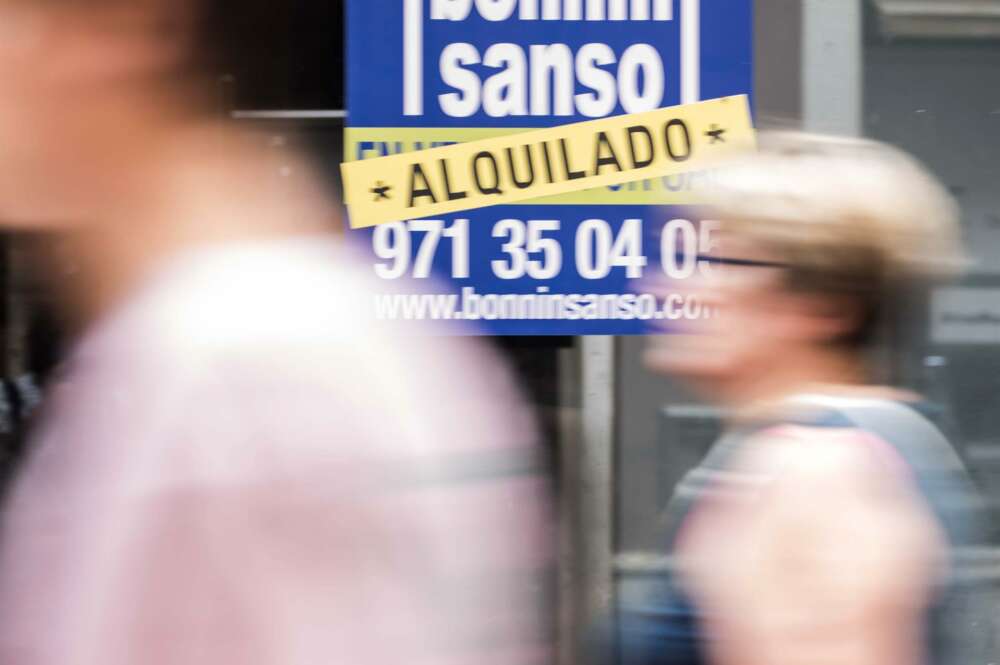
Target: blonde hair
x=848, y=216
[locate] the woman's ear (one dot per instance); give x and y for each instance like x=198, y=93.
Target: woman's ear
x=825, y=318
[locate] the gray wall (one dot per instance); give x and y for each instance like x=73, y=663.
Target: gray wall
x=941, y=101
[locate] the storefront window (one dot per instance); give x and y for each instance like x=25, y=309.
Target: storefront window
x=923, y=76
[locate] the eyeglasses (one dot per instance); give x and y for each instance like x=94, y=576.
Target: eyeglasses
x=740, y=272
x=746, y=263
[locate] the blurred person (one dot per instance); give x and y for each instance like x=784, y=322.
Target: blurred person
x=237, y=464
x=825, y=527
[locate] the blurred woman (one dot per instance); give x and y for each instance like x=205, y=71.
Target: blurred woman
x=237, y=464
x=823, y=527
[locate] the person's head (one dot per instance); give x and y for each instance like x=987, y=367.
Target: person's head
x=85, y=85
x=818, y=237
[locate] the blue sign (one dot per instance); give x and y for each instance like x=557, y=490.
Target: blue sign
x=423, y=73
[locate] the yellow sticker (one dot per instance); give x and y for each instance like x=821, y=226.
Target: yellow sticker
x=375, y=142
x=546, y=162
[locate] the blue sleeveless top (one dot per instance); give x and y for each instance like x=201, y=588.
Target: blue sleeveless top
x=659, y=624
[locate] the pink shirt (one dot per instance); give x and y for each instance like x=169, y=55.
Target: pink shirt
x=241, y=466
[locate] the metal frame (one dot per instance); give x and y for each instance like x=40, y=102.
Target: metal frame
x=939, y=19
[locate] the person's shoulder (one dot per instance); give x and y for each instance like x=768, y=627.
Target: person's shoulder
x=258, y=294
x=301, y=310
x=825, y=452
x=301, y=313
x=282, y=312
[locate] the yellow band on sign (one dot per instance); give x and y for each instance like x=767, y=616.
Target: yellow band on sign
x=546, y=162
x=375, y=142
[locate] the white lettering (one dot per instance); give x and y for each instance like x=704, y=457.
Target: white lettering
x=557, y=59
x=454, y=75
x=556, y=10
x=450, y=10
x=528, y=10
x=639, y=10
x=544, y=80
x=573, y=10
x=496, y=10
x=550, y=10
x=635, y=58
x=602, y=101
x=504, y=93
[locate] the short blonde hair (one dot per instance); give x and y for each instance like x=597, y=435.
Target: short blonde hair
x=848, y=216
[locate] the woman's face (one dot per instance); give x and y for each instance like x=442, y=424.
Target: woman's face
x=754, y=318
x=69, y=73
